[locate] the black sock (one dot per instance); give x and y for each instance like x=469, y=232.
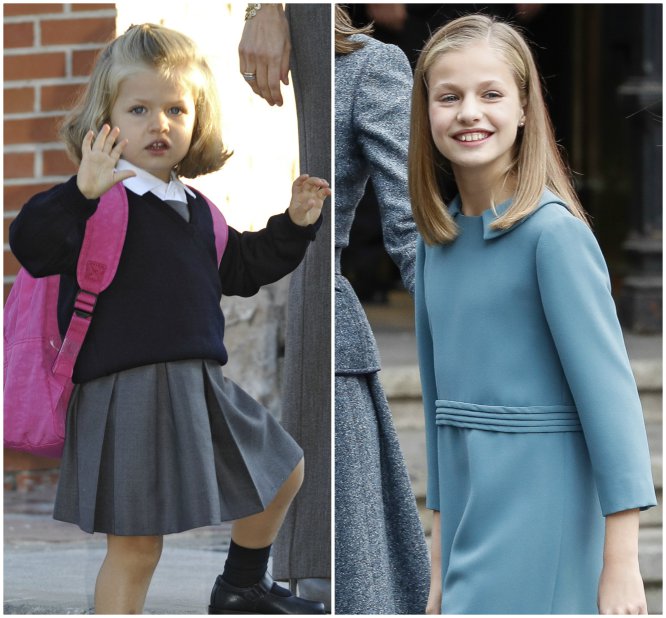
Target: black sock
x=244, y=566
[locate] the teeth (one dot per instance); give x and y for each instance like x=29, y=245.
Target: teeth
x=472, y=137
x=158, y=145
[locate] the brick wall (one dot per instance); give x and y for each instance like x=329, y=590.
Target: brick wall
x=49, y=51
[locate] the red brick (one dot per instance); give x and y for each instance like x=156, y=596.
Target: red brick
x=19, y=165
x=62, y=97
x=17, y=100
x=83, y=61
x=17, y=195
x=92, y=7
x=32, y=66
x=11, y=10
x=11, y=264
x=57, y=163
x=68, y=31
x=19, y=35
x=31, y=130
x=6, y=222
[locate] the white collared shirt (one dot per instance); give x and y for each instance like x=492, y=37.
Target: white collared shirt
x=145, y=182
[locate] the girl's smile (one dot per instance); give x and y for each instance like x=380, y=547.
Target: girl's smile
x=474, y=108
x=157, y=117
x=473, y=137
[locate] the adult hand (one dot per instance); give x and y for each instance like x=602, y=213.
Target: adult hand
x=264, y=50
x=307, y=198
x=97, y=173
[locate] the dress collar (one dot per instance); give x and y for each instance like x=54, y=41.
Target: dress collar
x=489, y=216
x=144, y=182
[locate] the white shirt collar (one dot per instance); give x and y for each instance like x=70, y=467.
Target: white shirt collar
x=145, y=182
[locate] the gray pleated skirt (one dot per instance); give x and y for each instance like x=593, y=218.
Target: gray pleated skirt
x=168, y=447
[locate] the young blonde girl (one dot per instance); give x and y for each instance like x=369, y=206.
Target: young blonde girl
x=158, y=440
x=533, y=424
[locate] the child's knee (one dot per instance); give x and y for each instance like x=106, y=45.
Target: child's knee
x=140, y=553
x=298, y=474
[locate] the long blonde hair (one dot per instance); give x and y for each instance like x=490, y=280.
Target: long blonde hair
x=537, y=162
x=175, y=57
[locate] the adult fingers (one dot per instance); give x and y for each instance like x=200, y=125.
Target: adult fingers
x=273, y=83
x=284, y=64
x=260, y=82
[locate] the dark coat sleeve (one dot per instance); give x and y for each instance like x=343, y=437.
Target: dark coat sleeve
x=254, y=259
x=47, y=234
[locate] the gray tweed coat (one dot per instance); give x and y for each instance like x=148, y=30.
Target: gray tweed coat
x=303, y=547
x=381, y=560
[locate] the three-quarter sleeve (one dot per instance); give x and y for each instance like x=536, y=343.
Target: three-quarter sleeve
x=575, y=291
x=47, y=234
x=381, y=123
x=428, y=385
x=254, y=259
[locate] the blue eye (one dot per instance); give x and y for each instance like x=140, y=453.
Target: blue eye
x=448, y=98
x=138, y=110
x=492, y=95
x=176, y=111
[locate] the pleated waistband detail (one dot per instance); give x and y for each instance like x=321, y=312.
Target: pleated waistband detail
x=510, y=419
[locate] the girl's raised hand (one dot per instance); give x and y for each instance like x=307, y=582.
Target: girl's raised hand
x=98, y=161
x=307, y=198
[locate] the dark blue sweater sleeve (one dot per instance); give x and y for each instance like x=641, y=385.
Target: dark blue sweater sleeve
x=47, y=234
x=254, y=259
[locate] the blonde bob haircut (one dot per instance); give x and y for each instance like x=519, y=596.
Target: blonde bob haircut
x=536, y=163
x=175, y=57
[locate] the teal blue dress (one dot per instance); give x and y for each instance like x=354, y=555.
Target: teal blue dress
x=534, y=428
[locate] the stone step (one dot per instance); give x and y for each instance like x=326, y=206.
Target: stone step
x=650, y=554
x=654, y=596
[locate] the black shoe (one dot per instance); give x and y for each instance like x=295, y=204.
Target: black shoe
x=258, y=599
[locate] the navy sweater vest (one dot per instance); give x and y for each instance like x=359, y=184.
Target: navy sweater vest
x=164, y=302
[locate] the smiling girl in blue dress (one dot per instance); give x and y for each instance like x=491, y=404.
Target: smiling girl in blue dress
x=538, y=462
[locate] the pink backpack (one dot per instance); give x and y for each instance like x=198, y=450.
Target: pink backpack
x=38, y=365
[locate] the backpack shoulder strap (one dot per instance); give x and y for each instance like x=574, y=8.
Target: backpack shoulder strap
x=103, y=241
x=220, y=227
x=98, y=261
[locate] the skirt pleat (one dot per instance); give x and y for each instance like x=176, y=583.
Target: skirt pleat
x=169, y=447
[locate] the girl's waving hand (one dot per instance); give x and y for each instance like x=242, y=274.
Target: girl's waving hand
x=97, y=172
x=307, y=198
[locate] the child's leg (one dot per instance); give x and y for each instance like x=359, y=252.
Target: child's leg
x=123, y=580
x=245, y=587
x=261, y=529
